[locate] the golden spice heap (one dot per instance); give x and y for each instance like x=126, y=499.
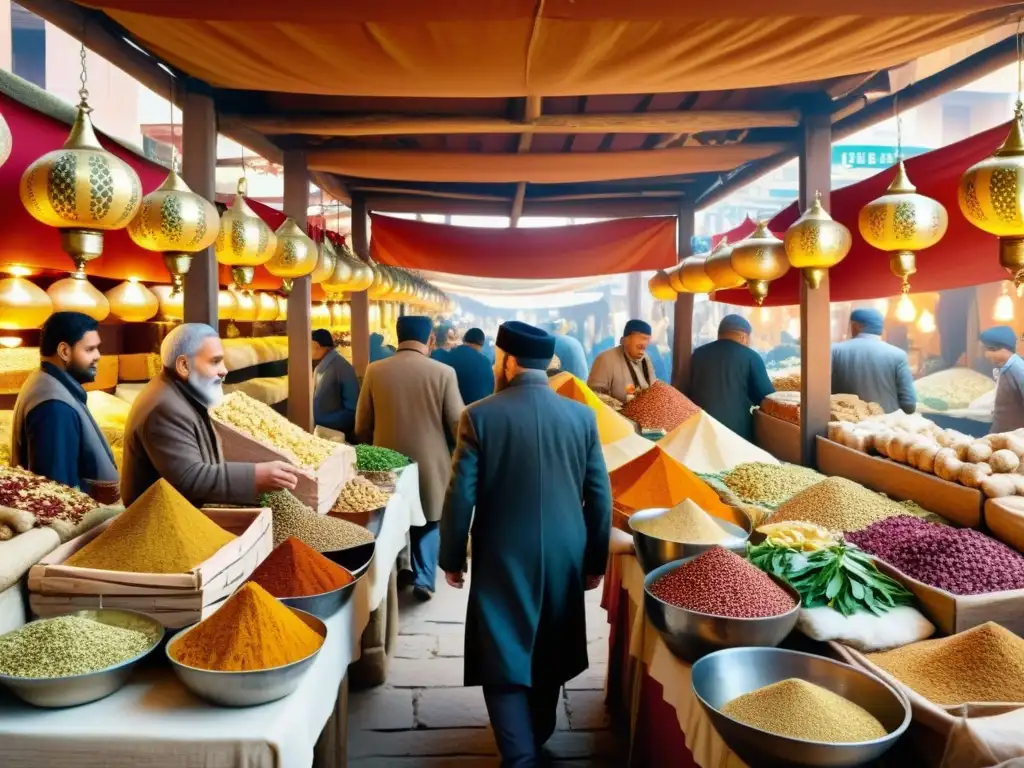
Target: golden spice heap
x=265, y=425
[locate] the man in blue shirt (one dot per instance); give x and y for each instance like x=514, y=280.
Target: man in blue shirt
x=476, y=377
x=336, y=387
x=871, y=369
x=1000, y=350
x=377, y=349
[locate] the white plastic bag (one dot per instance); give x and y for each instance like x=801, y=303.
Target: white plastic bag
x=865, y=631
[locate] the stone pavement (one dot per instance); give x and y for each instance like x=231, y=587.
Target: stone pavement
x=423, y=717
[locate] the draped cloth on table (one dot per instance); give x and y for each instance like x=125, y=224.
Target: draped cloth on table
x=578, y=250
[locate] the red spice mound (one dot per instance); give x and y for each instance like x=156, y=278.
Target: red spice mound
x=295, y=569
x=660, y=407
x=722, y=583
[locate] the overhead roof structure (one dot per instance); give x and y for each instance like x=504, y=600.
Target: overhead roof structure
x=534, y=107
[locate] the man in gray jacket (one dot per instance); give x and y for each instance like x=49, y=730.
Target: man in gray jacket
x=1000, y=349
x=869, y=368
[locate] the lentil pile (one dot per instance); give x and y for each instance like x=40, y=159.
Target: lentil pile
x=801, y=710
x=770, y=484
x=373, y=458
x=321, y=532
x=360, y=495
x=47, y=500
x=294, y=569
x=721, y=583
x=265, y=425
x=684, y=523
x=839, y=505
x=958, y=560
x=660, y=407
x=983, y=664
x=68, y=645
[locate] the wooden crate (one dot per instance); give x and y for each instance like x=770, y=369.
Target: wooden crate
x=1004, y=519
x=953, y=501
x=175, y=599
x=318, y=492
x=780, y=438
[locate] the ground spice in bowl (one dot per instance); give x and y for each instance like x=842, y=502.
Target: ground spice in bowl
x=839, y=505
x=295, y=569
x=660, y=407
x=685, y=523
x=67, y=646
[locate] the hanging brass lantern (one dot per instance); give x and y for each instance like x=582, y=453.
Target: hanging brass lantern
x=990, y=198
x=243, y=238
x=23, y=304
x=320, y=315
x=816, y=242
x=248, y=309
x=266, y=307
x=660, y=288
x=242, y=277
x=691, y=275
x=132, y=302
x=6, y=141
x=718, y=267
x=282, y=309
x=759, y=259
x=295, y=255
x=342, y=277
x=227, y=304
x=324, y=264
x=902, y=222
x=381, y=284
x=172, y=302
x=76, y=294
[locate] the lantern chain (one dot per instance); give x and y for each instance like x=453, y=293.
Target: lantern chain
x=83, y=77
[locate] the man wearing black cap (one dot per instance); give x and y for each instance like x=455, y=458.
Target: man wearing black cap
x=409, y=403
x=530, y=478
x=728, y=378
x=476, y=378
x=875, y=371
x=1000, y=345
x=337, y=387
x=624, y=371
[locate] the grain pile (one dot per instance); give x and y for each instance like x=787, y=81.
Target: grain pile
x=360, y=495
x=839, y=505
x=68, y=645
x=801, y=710
x=953, y=388
x=685, y=523
x=788, y=382
x=983, y=664
x=321, y=532
x=660, y=407
x=758, y=482
x=265, y=425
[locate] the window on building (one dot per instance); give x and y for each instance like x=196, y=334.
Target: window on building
x=956, y=123
x=28, y=46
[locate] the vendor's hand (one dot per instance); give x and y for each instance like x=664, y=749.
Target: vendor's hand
x=275, y=475
x=456, y=580
x=593, y=582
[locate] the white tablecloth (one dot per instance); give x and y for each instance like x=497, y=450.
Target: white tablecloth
x=404, y=511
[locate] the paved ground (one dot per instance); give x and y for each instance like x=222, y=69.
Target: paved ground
x=424, y=718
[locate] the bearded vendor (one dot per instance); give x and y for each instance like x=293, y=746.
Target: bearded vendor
x=1000, y=347
x=626, y=370
x=169, y=433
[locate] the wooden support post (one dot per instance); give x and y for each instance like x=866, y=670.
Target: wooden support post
x=300, y=344
x=634, y=295
x=199, y=170
x=360, y=300
x=815, y=316
x=682, y=324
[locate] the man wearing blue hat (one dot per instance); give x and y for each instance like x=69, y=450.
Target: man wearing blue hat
x=728, y=378
x=473, y=370
x=871, y=369
x=336, y=386
x=626, y=370
x=530, y=479
x=1000, y=345
x=410, y=403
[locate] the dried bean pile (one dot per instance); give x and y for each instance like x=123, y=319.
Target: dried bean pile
x=721, y=583
x=660, y=407
x=958, y=560
x=839, y=505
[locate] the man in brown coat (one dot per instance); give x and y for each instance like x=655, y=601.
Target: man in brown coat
x=407, y=403
x=169, y=434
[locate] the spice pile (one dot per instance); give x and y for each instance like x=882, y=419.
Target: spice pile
x=360, y=495
x=769, y=484
x=721, y=583
x=159, y=533
x=801, y=710
x=68, y=645
x=952, y=388
x=660, y=407
x=265, y=425
x=45, y=499
x=293, y=569
x=250, y=631
x=322, y=532
x=611, y=427
x=705, y=445
x=958, y=560
x=839, y=505
x=982, y=664
x=685, y=523
x=373, y=458
x=655, y=479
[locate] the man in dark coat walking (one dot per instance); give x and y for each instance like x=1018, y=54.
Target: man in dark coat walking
x=336, y=389
x=476, y=377
x=530, y=463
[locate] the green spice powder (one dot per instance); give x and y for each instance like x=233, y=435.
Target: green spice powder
x=67, y=645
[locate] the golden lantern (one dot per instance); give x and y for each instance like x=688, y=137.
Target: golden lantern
x=902, y=222
x=242, y=277
x=266, y=307
x=759, y=259
x=248, y=309
x=6, y=141
x=77, y=294
x=660, y=288
x=375, y=316
x=990, y=198
x=176, y=222
x=295, y=255
x=816, y=242
x=718, y=267
x=325, y=262
x=337, y=310
x=342, y=277
x=282, y=309
x=320, y=316
x=243, y=238
x=227, y=304
x=172, y=302
x=23, y=304
x=133, y=302
x=381, y=284
x=691, y=276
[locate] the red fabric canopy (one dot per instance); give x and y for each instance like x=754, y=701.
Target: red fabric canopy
x=578, y=250
x=966, y=256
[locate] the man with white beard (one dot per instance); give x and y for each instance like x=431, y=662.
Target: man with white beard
x=169, y=434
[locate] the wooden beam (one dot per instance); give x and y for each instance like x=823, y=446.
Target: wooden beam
x=199, y=171
x=640, y=194
x=614, y=208
x=426, y=193
x=682, y=323
x=531, y=112
x=299, y=321
x=361, y=300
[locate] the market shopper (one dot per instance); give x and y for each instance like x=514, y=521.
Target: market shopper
x=169, y=433
x=728, y=378
x=53, y=433
x=1000, y=345
x=377, y=349
x=625, y=370
x=571, y=356
x=530, y=478
x=336, y=387
x=411, y=404
x=474, y=372
x=871, y=369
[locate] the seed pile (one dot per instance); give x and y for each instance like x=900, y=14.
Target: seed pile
x=360, y=495
x=322, y=532
x=294, y=569
x=47, y=500
x=68, y=645
x=721, y=583
x=265, y=425
x=771, y=484
x=684, y=523
x=660, y=407
x=839, y=505
x=801, y=710
x=958, y=560
x=983, y=664
x=373, y=458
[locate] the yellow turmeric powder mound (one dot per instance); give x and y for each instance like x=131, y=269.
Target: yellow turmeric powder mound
x=250, y=631
x=611, y=427
x=159, y=533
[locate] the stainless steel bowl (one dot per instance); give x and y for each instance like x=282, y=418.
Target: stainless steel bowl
x=326, y=604
x=721, y=677
x=82, y=689
x=356, y=560
x=653, y=552
x=691, y=635
x=246, y=689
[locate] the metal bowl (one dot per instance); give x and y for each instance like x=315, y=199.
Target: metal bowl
x=691, y=635
x=721, y=677
x=355, y=560
x=81, y=689
x=246, y=689
x=653, y=552
x=326, y=604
